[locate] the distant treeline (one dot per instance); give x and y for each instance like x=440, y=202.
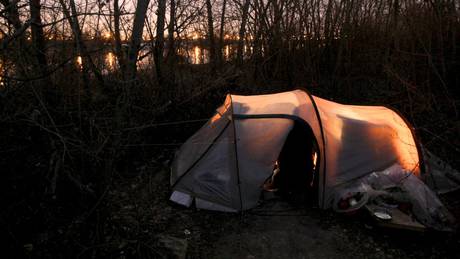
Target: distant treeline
x=410, y=42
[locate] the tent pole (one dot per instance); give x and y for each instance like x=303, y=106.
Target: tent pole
x=235, y=139
x=323, y=158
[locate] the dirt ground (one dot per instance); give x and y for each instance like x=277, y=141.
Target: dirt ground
x=143, y=223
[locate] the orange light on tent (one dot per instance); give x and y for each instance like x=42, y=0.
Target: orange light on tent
x=405, y=147
x=215, y=118
x=315, y=160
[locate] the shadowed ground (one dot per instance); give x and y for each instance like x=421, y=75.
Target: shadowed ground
x=144, y=219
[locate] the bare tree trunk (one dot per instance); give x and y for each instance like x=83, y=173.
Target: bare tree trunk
x=80, y=45
x=12, y=16
x=242, y=32
x=136, y=38
x=38, y=40
x=171, y=55
x=159, y=40
x=260, y=16
x=276, y=41
x=211, y=40
x=328, y=29
x=11, y=9
x=117, y=38
x=73, y=21
x=395, y=23
x=221, y=36
x=171, y=29
x=345, y=35
x=84, y=51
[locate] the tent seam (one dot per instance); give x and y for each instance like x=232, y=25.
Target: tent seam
x=322, y=138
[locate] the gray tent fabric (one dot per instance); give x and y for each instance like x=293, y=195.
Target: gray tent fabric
x=213, y=177
x=202, y=140
x=224, y=165
x=228, y=159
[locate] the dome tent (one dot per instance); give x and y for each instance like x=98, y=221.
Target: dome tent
x=225, y=163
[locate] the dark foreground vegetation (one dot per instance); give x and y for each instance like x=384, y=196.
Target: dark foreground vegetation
x=84, y=149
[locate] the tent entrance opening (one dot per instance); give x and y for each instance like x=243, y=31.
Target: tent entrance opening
x=295, y=174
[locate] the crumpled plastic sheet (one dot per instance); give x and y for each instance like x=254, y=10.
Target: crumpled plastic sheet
x=402, y=186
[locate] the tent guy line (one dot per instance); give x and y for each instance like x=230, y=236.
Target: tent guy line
x=166, y=123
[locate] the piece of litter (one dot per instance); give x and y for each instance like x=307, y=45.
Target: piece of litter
x=28, y=247
x=382, y=215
